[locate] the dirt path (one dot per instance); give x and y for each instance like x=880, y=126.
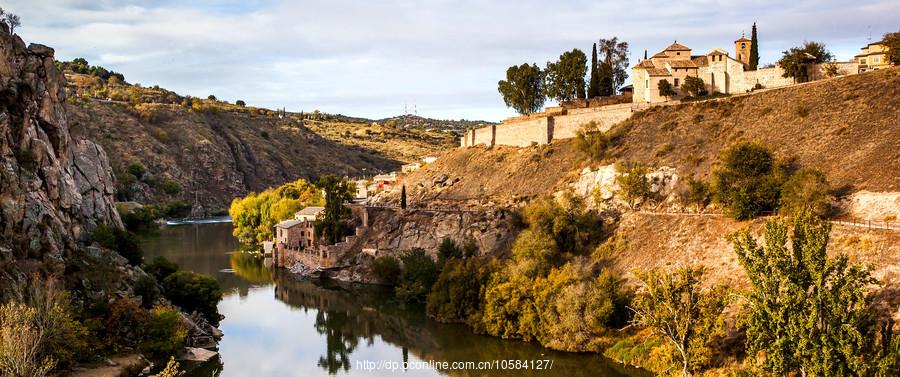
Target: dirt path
x=103, y=370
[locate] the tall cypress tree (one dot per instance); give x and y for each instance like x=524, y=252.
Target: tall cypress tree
x=645, y=54
x=594, y=86
x=754, y=49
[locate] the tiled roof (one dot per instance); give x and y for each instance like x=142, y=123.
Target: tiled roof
x=681, y=63
x=743, y=39
x=310, y=210
x=288, y=224
x=645, y=64
x=700, y=61
x=660, y=55
x=677, y=47
x=717, y=51
x=657, y=72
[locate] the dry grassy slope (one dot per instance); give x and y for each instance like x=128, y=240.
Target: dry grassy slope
x=499, y=173
x=667, y=241
x=215, y=156
x=848, y=127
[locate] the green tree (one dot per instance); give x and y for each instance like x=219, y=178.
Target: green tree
x=806, y=190
x=120, y=240
x=333, y=224
x=240, y=103
x=796, y=61
x=749, y=180
x=458, y=293
x=565, y=77
x=754, y=48
x=419, y=275
x=403, y=197
x=448, y=250
x=633, y=183
x=523, y=89
x=699, y=193
x=665, y=88
x=892, y=42
x=676, y=308
x=12, y=21
x=594, y=83
x=194, y=292
x=614, y=65
x=387, y=270
x=810, y=314
x=693, y=86
x=164, y=333
x=161, y=267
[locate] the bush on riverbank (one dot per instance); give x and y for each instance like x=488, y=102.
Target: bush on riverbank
x=120, y=240
x=194, y=292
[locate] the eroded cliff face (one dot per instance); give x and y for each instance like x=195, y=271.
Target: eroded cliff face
x=54, y=189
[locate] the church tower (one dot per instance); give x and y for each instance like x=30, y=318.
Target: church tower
x=742, y=50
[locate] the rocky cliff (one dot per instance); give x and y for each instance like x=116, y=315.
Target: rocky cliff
x=54, y=188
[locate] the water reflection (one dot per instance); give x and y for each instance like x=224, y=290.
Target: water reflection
x=277, y=325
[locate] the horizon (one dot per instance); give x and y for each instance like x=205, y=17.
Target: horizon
x=375, y=60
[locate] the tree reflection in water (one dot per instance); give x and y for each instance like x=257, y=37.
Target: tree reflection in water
x=339, y=340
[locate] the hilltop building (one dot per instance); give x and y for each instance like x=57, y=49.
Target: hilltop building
x=873, y=57
x=719, y=71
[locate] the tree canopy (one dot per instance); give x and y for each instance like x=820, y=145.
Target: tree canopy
x=613, y=66
x=565, y=77
x=523, y=89
x=796, y=61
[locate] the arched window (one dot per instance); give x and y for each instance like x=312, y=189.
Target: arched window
x=743, y=45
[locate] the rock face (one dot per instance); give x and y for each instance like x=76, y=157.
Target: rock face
x=54, y=190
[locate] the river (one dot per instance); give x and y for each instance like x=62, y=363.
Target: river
x=276, y=325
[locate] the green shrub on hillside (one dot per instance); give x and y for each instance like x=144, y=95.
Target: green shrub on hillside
x=699, y=193
x=806, y=190
x=165, y=333
x=122, y=241
x=592, y=142
x=194, y=292
x=748, y=183
x=161, y=268
x=145, y=286
x=634, y=184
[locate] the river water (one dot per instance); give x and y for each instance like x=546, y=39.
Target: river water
x=276, y=325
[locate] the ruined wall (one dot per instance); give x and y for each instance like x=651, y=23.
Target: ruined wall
x=484, y=136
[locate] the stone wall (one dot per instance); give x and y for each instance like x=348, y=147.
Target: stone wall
x=566, y=126
x=524, y=133
x=484, y=136
x=771, y=77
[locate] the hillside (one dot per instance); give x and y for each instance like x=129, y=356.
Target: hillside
x=847, y=127
x=206, y=152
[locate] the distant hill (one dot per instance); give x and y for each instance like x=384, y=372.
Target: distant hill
x=206, y=152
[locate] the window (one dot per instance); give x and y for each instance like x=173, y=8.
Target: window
x=677, y=53
x=862, y=61
x=676, y=82
x=647, y=84
x=877, y=60
x=743, y=46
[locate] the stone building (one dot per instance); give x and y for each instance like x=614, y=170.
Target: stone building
x=873, y=57
x=719, y=71
x=299, y=232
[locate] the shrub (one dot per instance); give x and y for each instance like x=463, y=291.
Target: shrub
x=448, y=250
x=749, y=181
x=116, y=326
x=145, y=286
x=592, y=141
x=240, y=103
x=120, y=240
x=194, y=292
x=458, y=293
x=136, y=169
x=634, y=185
x=20, y=350
x=170, y=187
x=699, y=193
x=161, y=135
x=694, y=86
x=807, y=190
x=139, y=218
x=419, y=274
x=387, y=270
x=165, y=333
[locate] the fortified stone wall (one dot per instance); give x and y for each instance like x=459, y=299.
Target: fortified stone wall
x=767, y=77
x=484, y=136
x=566, y=126
x=524, y=133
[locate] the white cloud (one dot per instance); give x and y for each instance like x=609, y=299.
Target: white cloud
x=369, y=58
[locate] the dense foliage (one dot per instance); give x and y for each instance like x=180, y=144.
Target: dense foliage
x=749, y=180
x=665, y=88
x=892, y=42
x=194, y=292
x=796, y=60
x=693, y=86
x=332, y=226
x=754, y=48
x=809, y=313
x=634, y=184
x=419, y=274
x=805, y=190
x=255, y=215
x=523, y=89
x=458, y=293
x=120, y=240
x=675, y=307
x=592, y=142
x=387, y=269
x=80, y=65
x=612, y=66
x=565, y=77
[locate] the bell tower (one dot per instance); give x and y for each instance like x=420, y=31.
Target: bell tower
x=742, y=49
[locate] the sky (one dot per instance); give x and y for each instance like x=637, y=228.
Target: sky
x=381, y=58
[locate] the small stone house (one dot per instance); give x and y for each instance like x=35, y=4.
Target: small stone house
x=300, y=232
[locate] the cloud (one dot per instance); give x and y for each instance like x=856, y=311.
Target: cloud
x=371, y=58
